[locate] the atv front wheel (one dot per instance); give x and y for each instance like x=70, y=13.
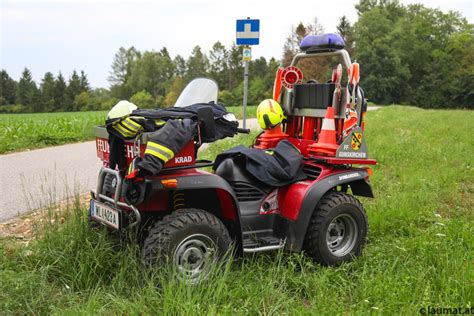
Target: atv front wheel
x=189, y=239
x=337, y=229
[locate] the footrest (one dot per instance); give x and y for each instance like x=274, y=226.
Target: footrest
x=262, y=244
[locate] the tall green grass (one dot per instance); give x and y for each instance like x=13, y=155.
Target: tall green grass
x=419, y=251
x=36, y=130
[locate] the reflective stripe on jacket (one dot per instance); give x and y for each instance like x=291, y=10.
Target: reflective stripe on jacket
x=128, y=127
x=165, y=143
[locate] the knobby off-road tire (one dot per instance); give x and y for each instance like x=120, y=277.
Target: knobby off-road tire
x=337, y=230
x=190, y=240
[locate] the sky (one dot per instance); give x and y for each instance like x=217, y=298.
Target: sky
x=84, y=35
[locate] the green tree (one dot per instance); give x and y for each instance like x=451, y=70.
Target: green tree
x=460, y=85
x=257, y=91
x=414, y=55
x=179, y=66
x=197, y=64
x=383, y=75
x=47, y=88
x=175, y=89
x=423, y=37
x=122, y=66
x=26, y=92
x=258, y=67
x=312, y=68
x=152, y=73
x=292, y=44
x=218, y=60
x=393, y=7
x=60, y=93
x=346, y=30
x=7, y=88
x=82, y=101
x=100, y=99
x=73, y=89
x=143, y=99
x=84, y=82
x=236, y=69
x=227, y=98
x=269, y=77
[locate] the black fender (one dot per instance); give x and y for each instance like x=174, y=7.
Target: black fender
x=357, y=179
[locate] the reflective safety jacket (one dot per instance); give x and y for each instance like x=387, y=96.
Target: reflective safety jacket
x=277, y=167
x=153, y=120
x=165, y=143
x=224, y=127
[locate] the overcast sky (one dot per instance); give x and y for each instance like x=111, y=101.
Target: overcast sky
x=84, y=35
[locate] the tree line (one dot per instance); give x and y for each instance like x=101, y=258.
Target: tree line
x=153, y=78
x=408, y=55
x=414, y=54
x=53, y=93
x=148, y=79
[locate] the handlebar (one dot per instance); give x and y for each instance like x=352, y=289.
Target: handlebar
x=243, y=130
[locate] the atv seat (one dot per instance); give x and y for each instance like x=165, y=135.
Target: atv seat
x=275, y=167
x=234, y=172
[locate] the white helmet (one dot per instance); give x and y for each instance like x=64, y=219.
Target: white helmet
x=121, y=109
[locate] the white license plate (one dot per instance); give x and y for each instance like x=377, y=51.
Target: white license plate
x=105, y=214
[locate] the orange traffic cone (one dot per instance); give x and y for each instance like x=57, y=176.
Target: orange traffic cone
x=270, y=138
x=326, y=144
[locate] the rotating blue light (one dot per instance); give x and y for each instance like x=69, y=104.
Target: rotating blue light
x=322, y=42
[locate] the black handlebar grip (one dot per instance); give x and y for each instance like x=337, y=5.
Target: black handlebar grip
x=243, y=130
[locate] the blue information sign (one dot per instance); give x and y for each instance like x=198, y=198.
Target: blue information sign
x=248, y=32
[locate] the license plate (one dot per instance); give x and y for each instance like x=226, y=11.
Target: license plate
x=105, y=214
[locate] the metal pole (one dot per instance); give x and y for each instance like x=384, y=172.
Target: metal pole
x=246, y=83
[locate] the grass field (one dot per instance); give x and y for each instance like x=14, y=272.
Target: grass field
x=36, y=130
x=420, y=249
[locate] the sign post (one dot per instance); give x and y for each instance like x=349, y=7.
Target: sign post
x=248, y=33
x=246, y=84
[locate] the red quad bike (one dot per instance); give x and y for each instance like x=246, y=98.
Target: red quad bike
x=189, y=216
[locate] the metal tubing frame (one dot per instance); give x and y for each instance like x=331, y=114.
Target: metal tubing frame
x=118, y=192
x=265, y=248
x=347, y=62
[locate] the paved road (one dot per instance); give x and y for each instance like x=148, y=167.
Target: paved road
x=33, y=179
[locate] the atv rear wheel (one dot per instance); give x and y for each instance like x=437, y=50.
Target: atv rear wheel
x=337, y=229
x=190, y=239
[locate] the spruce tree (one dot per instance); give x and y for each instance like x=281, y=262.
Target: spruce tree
x=218, y=58
x=73, y=89
x=346, y=30
x=26, y=89
x=48, y=92
x=197, y=64
x=7, y=88
x=60, y=93
x=236, y=68
x=84, y=82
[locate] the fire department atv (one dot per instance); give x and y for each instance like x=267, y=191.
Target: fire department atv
x=190, y=216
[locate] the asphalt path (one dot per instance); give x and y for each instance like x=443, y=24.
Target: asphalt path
x=33, y=179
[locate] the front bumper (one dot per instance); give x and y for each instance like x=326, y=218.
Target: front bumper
x=129, y=214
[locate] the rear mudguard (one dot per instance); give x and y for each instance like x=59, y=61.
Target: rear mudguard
x=225, y=193
x=207, y=190
x=358, y=181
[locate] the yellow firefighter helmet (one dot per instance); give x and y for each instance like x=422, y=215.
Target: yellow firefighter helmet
x=121, y=109
x=269, y=114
